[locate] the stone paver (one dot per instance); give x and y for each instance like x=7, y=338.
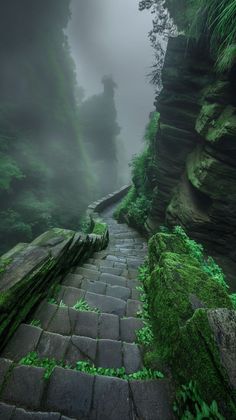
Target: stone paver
x=109, y=327
x=52, y=346
x=113, y=280
x=87, y=324
x=128, y=328
x=81, y=348
x=25, y=386
x=24, y=340
x=111, y=399
x=109, y=354
x=70, y=393
x=106, y=304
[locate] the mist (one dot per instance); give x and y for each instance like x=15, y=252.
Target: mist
x=110, y=37
x=60, y=148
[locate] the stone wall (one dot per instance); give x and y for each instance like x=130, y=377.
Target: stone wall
x=28, y=272
x=196, y=150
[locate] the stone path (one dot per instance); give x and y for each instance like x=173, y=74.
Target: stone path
x=106, y=338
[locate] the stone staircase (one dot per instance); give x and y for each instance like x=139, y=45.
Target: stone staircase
x=104, y=335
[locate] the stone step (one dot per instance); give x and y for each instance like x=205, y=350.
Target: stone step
x=121, y=306
x=79, y=395
x=11, y=412
x=102, y=288
x=88, y=273
x=104, y=353
x=106, y=304
x=68, y=321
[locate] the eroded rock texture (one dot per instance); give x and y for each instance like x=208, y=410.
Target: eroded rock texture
x=196, y=145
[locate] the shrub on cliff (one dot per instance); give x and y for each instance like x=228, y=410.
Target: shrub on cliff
x=136, y=206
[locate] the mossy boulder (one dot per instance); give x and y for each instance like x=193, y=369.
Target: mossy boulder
x=217, y=124
x=195, y=338
x=206, y=354
x=29, y=272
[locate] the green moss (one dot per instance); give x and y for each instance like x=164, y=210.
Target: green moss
x=197, y=358
x=181, y=286
x=99, y=228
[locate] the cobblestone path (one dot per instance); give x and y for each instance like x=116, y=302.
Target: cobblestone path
x=106, y=338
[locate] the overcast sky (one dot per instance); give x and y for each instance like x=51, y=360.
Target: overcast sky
x=110, y=37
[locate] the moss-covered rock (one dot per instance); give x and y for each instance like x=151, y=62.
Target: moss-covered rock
x=192, y=335
x=211, y=176
x=206, y=354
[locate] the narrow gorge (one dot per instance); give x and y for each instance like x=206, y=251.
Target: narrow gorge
x=126, y=311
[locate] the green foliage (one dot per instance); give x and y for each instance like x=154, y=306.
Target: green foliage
x=83, y=306
x=52, y=300
x=145, y=335
x=99, y=228
x=41, y=155
x=226, y=58
x=190, y=406
x=8, y=171
x=214, y=18
x=233, y=299
x=137, y=204
x=196, y=250
x=62, y=304
x=152, y=128
x=49, y=365
x=35, y=323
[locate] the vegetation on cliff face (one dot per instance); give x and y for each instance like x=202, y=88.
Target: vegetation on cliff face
x=136, y=205
x=213, y=19
x=43, y=167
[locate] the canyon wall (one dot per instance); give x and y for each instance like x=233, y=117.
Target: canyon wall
x=196, y=149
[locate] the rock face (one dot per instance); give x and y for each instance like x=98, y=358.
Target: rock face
x=196, y=150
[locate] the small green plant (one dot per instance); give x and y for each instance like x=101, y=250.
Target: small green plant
x=83, y=306
x=145, y=335
x=32, y=359
x=35, y=323
x=197, y=251
x=190, y=406
x=52, y=301
x=62, y=304
x=49, y=365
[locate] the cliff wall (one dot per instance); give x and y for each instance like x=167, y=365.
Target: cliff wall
x=196, y=149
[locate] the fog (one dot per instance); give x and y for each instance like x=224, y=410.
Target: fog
x=111, y=37
x=58, y=153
